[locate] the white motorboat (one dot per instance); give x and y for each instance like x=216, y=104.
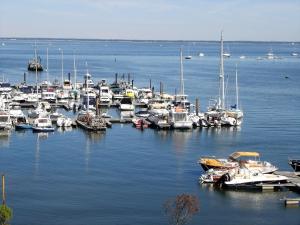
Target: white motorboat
x=294, y=54
x=126, y=104
x=49, y=96
x=245, y=178
x=270, y=55
x=179, y=118
x=226, y=54
x=15, y=112
x=158, y=107
x=41, y=110
x=64, y=122
x=5, y=121
x=42, y=124
x=5, y=87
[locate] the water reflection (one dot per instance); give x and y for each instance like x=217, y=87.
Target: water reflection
x=214, y=131
x=180, y=140
x=5, y=138
x=91, y=138
x=237, y=198
x=254, y=199
x=64, y=129
x=39, y=136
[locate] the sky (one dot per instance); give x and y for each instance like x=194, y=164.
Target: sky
x=253, y=20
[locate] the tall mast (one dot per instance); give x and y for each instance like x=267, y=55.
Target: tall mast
x=181, y=74
x=62, y=66
x=221, y=77
x=75, y=72
x=236, y=87
x=47, y=69
x=36, y=76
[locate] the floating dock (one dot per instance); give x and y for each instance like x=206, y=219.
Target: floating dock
x=293, y=182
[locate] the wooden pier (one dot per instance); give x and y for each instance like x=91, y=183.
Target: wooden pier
x=293, y=178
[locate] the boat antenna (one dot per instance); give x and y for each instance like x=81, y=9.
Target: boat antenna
x=221, y=77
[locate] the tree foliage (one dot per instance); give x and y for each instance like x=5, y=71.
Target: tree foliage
x=181, y=208
x=5, y=214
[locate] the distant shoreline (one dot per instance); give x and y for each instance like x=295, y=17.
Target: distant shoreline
x=135, y=40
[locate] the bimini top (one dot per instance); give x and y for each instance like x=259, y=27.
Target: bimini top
x=237, y=155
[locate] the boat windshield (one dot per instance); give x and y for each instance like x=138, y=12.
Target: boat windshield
x=126, y=101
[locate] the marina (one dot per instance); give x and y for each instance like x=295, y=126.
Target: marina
x=119, y=164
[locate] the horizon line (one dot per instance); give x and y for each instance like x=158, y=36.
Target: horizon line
x=141, y=40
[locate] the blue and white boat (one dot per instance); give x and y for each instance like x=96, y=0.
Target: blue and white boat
x=43, y=124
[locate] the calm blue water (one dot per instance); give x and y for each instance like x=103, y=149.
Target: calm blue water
x=124, y=176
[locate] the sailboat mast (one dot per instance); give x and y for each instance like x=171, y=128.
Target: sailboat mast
x=47, y=69
x=181, y=74
x=36, y=76
x=236, y=87
x=62, y=67
x=75, y=73
x=221, y=77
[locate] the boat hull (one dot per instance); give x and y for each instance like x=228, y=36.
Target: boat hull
x=42, y=129
x=23, y=126
x=90, y=128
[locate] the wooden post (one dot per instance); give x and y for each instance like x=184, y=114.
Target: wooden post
x=161, y=88
x=150, y=84
x=197, y=106
x=3, y=189
x=116, y=78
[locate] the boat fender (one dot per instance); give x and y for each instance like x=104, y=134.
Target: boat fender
x=227, y=177
x=234, y=122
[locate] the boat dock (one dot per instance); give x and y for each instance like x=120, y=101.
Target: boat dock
x=293, y=182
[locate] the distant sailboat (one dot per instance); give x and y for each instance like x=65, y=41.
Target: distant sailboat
x=35, y=63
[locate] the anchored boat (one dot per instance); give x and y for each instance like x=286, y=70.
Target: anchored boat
x=248, y=160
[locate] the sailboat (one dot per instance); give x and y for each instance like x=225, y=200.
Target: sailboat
x=35, y=63
x=217, y=114
x=235, y=112
x=179, y=114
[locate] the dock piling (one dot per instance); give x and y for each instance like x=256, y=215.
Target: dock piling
x=3, y=189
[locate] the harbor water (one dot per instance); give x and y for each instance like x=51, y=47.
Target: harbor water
x=125, y=175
